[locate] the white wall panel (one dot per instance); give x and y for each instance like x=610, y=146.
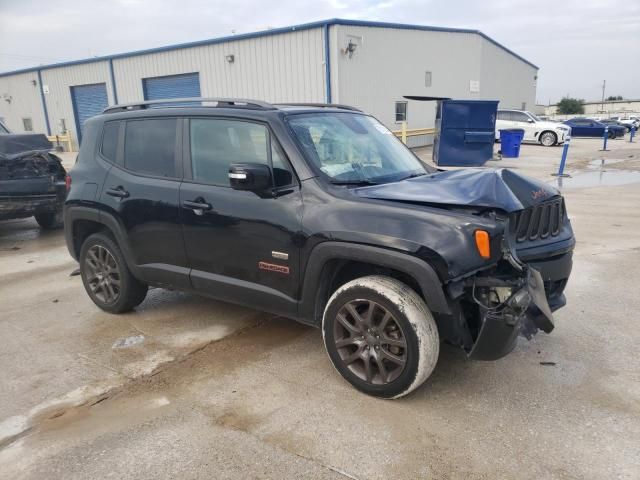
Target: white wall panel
x=506, y=78
x=60, y=80
x=278, y=68
x=389, y=63
x=24, y=96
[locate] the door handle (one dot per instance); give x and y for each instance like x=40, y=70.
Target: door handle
x=198, y=205
x=118, y=192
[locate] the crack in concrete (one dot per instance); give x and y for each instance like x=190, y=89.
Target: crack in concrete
x=20, y=426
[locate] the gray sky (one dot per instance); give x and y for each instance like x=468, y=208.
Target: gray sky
x=576, y=43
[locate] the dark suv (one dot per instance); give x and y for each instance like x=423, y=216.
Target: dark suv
x=319, y=214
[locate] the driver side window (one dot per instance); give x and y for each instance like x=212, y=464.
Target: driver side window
x=216, y=144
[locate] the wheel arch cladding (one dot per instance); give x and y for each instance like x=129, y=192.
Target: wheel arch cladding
x=81, y=221
x=317, y=278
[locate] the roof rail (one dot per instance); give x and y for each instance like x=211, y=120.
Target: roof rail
x=321, y=105
x=180, y=102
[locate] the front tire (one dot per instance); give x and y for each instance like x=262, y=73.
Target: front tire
x=548, y=139
x=106, y=277
x=50, y=220
x=380, y=336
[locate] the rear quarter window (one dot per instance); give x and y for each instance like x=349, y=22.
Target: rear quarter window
x=150, y=147
x=110, y=137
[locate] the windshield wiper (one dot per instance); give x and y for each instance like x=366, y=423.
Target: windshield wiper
x=413, y=175
x=353, y=182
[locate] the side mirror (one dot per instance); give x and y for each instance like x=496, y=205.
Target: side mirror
x=530, y=120
x=252, y=177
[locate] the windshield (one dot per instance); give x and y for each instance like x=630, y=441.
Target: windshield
x=354, y=148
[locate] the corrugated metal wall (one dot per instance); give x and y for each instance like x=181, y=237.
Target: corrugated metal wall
x=364, y=80
x=20, y=98
x=454, y=60
x=505, y=78
x=59, y=82
x=289, y=67
x=279, y=68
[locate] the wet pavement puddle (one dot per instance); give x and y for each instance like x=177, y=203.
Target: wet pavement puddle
x=598, y=175
x=603, y=178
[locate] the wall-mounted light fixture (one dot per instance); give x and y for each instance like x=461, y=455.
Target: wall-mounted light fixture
x=350, y=48
x=7, y=98
x=34, y=82
x=230, y=58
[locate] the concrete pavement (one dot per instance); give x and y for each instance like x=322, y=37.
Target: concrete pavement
x=217, y=391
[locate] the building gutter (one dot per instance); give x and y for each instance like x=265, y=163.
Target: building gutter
x=327, y=63
x=44, y=103
x=114, y=90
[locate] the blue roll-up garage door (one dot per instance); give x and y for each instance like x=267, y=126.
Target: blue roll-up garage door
x=173, y=86
x=88, y=100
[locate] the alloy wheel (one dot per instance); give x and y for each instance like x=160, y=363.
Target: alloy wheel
x=370, y=342
x=548, y=139
x=102, y=274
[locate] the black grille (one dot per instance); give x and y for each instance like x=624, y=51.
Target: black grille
x=539, y=222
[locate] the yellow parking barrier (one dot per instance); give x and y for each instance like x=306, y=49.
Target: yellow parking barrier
x=404, y=133
x=62, y=138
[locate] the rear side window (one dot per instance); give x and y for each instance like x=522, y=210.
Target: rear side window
x=502, y=115
x=519, y=117
x=150, y=147
x=110, y=135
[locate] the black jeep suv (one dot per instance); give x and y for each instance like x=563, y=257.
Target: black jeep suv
x=319, y=214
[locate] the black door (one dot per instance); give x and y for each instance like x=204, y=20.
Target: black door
x=240, y=245
x=143, y=192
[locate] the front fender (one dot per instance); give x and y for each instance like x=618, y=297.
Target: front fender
x=422, y=272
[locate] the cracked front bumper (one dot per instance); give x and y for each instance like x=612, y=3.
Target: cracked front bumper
x=524, y=313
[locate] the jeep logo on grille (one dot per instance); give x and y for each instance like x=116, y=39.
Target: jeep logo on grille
x=538, y=194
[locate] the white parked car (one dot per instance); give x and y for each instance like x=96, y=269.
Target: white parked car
x=535, y=130
x=632, y=121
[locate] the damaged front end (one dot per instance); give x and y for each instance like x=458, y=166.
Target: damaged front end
x=494, y=306
x=31, y=181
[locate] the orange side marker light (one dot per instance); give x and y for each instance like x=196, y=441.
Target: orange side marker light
x=482, y=243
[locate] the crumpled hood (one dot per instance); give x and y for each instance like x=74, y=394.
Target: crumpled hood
x=492, y=188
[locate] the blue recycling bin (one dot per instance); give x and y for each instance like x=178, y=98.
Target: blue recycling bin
x=465, y=132
x=510, y=140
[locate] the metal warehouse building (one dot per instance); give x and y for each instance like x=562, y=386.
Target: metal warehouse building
x=369, y=65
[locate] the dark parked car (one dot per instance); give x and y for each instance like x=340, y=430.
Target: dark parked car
x=615, y=126
x=319, y=214
x=587, y=127
x=32, y=179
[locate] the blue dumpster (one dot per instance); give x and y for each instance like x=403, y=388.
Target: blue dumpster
x=510, y=140
x=465, y=132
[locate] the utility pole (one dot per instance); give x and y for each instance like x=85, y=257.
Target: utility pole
x=604, y=84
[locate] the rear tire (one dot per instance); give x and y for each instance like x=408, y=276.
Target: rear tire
x=50, y=220
x=611, y=135
x=380, y=336
x=548, y=139
x=106, y=276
